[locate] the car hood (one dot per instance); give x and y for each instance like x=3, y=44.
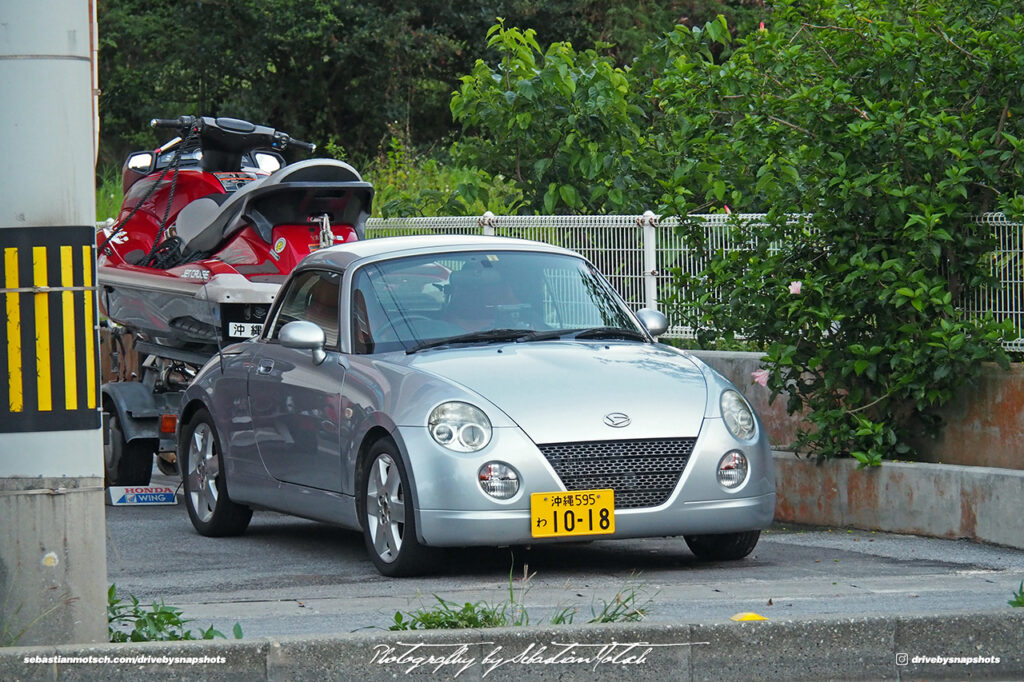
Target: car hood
x=562, y=391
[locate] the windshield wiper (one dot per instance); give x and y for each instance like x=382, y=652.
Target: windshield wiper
x=547, y=335
x=488, y=336
x=583, y=333
x=610, y=333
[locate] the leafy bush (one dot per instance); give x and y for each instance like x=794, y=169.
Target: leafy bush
x=886, y=127
x=128, y=622
x=449, y=616
x=559, y=121
x=408, y=185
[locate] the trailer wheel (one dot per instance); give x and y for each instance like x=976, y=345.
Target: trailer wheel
x=125, y=462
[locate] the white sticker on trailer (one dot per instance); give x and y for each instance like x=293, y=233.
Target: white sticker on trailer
x=244, y=330
x=141, y=495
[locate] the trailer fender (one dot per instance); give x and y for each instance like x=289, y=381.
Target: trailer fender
x=136, y=407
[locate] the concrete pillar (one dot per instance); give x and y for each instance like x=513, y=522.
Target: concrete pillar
x=52, y=526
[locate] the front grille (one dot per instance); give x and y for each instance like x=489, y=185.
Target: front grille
x=643, y=473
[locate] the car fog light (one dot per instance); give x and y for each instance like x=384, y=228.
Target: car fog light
x=459, y=426
x=499, y=480
x=732, y=469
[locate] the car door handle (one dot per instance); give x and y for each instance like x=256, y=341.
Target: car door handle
x=266, y=366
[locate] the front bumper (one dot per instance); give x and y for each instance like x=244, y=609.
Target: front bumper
x=452, y=510
x=512, y=526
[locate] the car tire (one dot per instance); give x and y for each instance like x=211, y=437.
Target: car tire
x=125, y=462
x=724, y=547
x=387, y=516
x=206, y=496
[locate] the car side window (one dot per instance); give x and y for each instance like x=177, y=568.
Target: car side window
x=311, y=296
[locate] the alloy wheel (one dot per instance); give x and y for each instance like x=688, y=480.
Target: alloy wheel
x=203, y=470
x=385, y=508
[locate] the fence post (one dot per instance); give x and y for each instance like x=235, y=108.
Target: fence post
x=486, y=221
x=649, y=222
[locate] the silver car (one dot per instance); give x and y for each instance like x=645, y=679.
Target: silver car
x=456, y=391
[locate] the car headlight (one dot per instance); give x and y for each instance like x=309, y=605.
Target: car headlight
x=459, y=427
x=737, y=415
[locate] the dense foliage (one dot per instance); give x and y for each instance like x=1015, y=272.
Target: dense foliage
x=352, y=72
x=887, y=127
x=869, y=133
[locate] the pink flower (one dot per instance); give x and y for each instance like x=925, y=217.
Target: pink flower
x=727, y=209
x=761, y=27
x=760, y=376
x=795, y=287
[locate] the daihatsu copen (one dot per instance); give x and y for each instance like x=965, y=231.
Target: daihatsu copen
x=446, y=391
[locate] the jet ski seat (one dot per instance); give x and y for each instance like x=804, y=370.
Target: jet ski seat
x=206, y=222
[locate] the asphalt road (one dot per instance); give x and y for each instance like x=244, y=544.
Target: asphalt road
x=288, y=576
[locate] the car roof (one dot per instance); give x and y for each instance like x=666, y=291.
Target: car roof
x=342, y=255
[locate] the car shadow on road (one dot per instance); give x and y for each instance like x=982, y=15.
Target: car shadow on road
x=291, y=536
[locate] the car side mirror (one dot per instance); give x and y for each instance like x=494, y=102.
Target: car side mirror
x=303, y=335
x=653, y=321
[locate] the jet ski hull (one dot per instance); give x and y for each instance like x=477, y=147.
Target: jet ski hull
x=180, y=312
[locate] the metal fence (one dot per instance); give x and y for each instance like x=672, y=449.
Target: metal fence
x=638, y=253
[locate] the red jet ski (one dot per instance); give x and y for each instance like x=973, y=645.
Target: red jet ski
x=211, y=224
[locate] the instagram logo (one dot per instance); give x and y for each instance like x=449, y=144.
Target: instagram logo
x=902, y=659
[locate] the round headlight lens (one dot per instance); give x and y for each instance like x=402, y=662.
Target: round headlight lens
x=499, y=480
x=732, y=469
x=459, y=426
x=737, y=415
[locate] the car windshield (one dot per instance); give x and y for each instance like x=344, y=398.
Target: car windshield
x=421, y=302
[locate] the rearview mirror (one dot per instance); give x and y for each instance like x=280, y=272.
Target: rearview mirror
x=141, y=162
x=303, y=335
x=267, y=162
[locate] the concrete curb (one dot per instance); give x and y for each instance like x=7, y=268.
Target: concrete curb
x=938, y=500
x=871, y=648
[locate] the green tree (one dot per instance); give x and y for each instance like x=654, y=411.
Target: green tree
x=351, y=72
x=887, y=127
x=557, y=121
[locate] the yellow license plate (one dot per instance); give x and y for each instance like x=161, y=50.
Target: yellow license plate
x=575, y=512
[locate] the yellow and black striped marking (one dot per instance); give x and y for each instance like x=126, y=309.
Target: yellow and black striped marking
x=48, y=334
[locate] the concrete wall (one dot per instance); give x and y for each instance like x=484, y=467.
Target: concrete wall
x=984, y=423
x=939, y=500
